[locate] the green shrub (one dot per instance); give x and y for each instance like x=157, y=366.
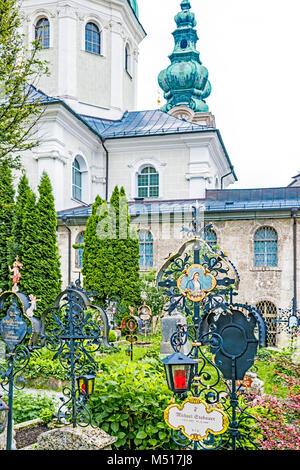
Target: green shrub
x=46, y=415
x=42, y=365
x=112, y=337
x=27, y=406
x=129, y=403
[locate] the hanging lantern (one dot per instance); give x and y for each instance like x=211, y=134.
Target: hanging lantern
x=179, y=371
x=128, y=352
x=86, y=384
x=3, y=415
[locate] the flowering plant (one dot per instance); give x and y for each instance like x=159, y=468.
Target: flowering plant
x=279, y=417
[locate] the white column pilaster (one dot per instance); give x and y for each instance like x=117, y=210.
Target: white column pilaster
x=67, y=52
x=117, y=65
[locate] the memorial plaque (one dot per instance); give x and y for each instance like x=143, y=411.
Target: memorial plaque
x=13, y=328
x=195, y=420
x=196, y=282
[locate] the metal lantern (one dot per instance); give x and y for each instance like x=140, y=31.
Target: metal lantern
x=3, y=415
x=128, y=352
x=86, y=384
x=179, y=371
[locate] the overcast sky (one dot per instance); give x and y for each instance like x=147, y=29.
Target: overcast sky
x=251, y=49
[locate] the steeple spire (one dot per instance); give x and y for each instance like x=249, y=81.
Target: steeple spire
x=185, y=82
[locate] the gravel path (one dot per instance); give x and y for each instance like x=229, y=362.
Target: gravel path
x=48, y=393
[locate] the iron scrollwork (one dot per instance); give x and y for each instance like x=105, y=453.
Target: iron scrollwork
x=75, y=330
x=221, y=336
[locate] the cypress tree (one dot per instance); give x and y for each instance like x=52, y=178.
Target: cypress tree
x=49, y=268
x=29, y=248
x=41, y=274
x=93, y=250
x=111, y=256
x=23, y=192
x=6, y=223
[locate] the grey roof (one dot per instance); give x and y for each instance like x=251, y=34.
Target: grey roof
x=142, y=123
x=134, y=124
x=223, y=201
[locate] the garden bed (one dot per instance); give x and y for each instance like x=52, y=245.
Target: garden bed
x=26, y=434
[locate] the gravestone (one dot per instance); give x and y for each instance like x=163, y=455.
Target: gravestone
x=168, y=327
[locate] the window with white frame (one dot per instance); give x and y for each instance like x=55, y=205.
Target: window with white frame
x=92, y=38
x=148, y=182
x=76, y=180
x=42, y=32
x=146, y=249
x=265, y=247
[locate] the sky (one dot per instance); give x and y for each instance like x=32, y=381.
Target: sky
x=251, y=49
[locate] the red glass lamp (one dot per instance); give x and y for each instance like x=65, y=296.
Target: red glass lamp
x=179, y=371
x=86, y=384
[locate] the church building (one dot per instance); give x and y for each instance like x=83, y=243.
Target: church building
x=92, y=138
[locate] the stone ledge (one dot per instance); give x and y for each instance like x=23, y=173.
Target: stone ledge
x=79, y=438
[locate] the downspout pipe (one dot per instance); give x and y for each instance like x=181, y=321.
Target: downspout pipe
x=224, y=176
x=294, y=217
x=64, y=219
x=106, y=167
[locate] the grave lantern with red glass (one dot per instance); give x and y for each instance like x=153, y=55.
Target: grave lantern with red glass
x=180, y=372
x=86, y=384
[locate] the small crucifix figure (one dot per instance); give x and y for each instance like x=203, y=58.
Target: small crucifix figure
x=16, y=276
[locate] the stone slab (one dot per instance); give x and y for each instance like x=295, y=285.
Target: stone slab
x=79, y=438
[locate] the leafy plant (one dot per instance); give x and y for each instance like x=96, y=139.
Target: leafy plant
x=29, y=406
x=129, y=403
x=279, y=413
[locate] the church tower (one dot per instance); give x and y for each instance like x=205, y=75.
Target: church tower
x=185, y=81
x=92, y=50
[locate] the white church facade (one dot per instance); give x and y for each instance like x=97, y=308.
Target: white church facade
x=92, y=138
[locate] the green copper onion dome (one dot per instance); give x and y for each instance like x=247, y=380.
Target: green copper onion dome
x=134, y=6
x=185, y=82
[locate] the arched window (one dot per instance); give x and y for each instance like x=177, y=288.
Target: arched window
x=76, y=180
x=265, y=247
x=79, y=251
x=148, y=182
x=92, y=38
x=42, y=32
x=269, y=312
x=210, y=237
x=146, y=249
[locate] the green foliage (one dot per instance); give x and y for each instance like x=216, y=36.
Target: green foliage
x=111, y=255
x=112, y=337
x=19, y=66
x=46, y=415
x=6, y=218
x=129, y=403
x=42, y=365
x=29, y=406
x=155, y=298
x=23, y=193
x=39, y=251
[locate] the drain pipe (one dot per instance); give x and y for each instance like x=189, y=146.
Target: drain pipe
x=64, y=219
x=224, y=176
x=294, y=216
x=106, y=167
